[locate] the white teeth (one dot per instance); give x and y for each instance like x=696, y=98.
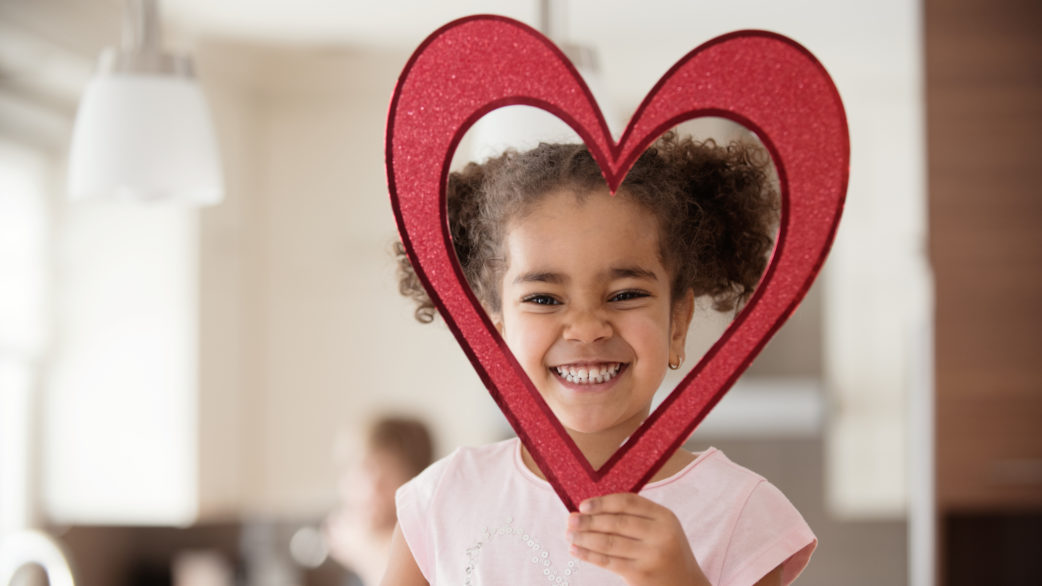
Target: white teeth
x=588, y=375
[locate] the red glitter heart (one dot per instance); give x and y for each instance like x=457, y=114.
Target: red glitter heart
x=764, y=81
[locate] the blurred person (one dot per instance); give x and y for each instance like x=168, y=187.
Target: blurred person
x=359, y=530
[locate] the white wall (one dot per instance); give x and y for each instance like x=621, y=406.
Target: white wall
x=302, y=321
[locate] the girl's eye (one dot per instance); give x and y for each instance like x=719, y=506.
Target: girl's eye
x=628, y=295
x=541, y=300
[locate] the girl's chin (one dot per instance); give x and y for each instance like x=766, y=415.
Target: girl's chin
x=586, y=425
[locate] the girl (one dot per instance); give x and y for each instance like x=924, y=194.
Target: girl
x=593, y=295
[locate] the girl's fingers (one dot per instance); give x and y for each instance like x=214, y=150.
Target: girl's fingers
x=623, y=502
x=631, y=536
x=621, y=566
x=607, y=544
x=626, y=525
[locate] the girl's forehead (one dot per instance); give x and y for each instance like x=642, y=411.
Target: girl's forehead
x=592, y=226
x=597, y=201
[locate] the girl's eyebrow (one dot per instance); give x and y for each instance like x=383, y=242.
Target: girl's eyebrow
x=635, y=272
x=540, y=277
x=630, y=272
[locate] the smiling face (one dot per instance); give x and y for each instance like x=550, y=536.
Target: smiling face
x=586, y=309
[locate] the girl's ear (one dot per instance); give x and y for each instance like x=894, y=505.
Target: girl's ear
x=683, y=310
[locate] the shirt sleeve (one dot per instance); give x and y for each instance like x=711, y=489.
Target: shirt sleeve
x=769, y=532
x=413, y=504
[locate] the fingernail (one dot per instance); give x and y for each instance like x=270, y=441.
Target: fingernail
x=585, y=506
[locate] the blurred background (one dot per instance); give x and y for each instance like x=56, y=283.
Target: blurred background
x=185, y=392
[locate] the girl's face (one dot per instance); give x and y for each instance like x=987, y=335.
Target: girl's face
x=586, y=308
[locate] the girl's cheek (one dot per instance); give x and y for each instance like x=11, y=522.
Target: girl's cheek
x=517, y=344
x=528, y=347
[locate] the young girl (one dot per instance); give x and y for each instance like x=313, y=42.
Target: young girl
x=593, y=294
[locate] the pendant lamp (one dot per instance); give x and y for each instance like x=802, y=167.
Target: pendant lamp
x=143, y=130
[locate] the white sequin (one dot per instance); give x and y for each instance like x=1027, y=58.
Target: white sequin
x=523, y=538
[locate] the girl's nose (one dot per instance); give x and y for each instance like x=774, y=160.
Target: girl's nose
x=587, y=326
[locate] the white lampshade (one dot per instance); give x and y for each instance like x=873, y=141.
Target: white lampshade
x=143, y=130
x=145, y=137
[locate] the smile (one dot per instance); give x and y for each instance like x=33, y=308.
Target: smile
x=588, y=375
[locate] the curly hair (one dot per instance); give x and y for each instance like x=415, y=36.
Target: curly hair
x=716, y=206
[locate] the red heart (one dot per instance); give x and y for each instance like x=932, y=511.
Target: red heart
x=764, y=81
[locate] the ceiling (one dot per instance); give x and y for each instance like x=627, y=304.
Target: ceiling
x=80, y=24
x=54, y=43
x=645, y=26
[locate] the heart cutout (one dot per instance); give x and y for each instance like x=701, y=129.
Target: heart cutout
x=764, y=81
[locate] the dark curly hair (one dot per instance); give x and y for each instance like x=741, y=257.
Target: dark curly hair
x=716, y=205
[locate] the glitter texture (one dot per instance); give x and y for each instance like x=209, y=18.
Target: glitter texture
x=764, y=81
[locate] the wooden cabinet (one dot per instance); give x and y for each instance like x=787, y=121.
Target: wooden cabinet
x=984, y=107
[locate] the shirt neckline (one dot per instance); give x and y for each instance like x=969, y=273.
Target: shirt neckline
x=519, y=463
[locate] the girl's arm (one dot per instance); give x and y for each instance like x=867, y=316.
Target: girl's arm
x=401, y=566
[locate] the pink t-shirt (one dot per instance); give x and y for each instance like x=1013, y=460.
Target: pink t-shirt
x=480, y=517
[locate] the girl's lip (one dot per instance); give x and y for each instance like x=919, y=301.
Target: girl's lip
x=587, y=363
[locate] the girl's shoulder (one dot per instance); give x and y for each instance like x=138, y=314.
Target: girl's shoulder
x=739, y=524
x=482, y=457
x=467, y=462
x=708, y=471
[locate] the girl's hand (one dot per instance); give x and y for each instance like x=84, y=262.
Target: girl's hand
x=638, y=539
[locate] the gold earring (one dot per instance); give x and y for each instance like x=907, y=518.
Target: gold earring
x=672, y=366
